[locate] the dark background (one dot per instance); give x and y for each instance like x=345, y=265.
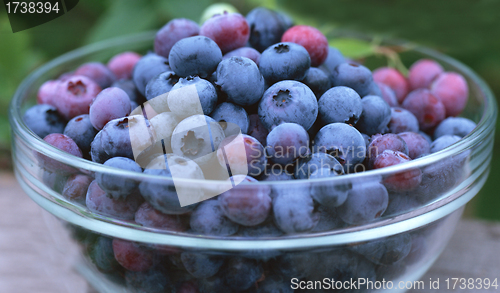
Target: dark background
x=468, y=30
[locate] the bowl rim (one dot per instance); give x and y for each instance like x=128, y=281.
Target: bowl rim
x=484, y=127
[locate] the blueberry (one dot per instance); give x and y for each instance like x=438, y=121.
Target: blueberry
x=123, y=64
x=428, y=108
x=250, y=160
x=161, y=84
x=151, y=281
x=293, y=209
x=385, y=251
x=43, y=120
x=288, y=101
x=318, y=81
x=257, y=129
x=197, y=138
x=129, y=87
x=328, y=220
x=99, y=202
x=230, y=115
x=166, y=194
x=333, y=59
x=64, y=143
x=458, y=126
x=284, y=61
x=307, y=165
x=247, y=52
x=266, y=28
x=111, y=103
x=365, y=202
x=240, y=79
x=380, y=143
x=118, y=187
x=209, y=219
x=74, y=95
x=402, y=121
x=444, y=142
x=386, y=93
x=417, y=144
x=343, y=142
x=241, y=273
x=295, y=264
x=353, y=75
x=132, y=256
x=75, y=188
x=229, y=30
x=101, y=254
x=340, y=104
x=98, y=72
x=287, y=142
x=148, y=67
x=113, y=141
x=405, y=180
x=206, y=96
x=172, y=32
x=201, y=265
x=196, y=55
x=311, y=39
x=275, y=172
x=148, y=216
x=246, y=204
x=328, y=194
x=394, y=79
x=399, y=204
x=375, y=117
x=452, y=90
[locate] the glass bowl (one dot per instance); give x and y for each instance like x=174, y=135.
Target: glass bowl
x=393, y=249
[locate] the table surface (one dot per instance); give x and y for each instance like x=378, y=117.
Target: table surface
x=33, y=259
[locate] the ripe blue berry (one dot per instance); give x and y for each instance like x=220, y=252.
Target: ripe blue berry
x=366, y=202
x=308, y=165
x=149, y=66
x=82, y=132
x=402, y=121
x=340, y=104
x=161, y=84
x=240, y=79
x=43, y=120
x=207, y=95
x=117, y=186
x=230, y=115
x=196, y=55
x=375, y=117
x=458, y=126
x=209, y=219
x=284, y=61
x=172, y=32
x=318, y=81
x=288, y=101
x=353, y=75
x=293, y=209
x=287, y=142
x=266, y=28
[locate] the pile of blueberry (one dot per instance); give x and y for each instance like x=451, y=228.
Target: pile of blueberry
x=304, y=112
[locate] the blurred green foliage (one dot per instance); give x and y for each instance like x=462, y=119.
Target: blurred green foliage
x=467, y=30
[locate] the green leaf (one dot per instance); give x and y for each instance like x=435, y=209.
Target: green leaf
x=353, y=48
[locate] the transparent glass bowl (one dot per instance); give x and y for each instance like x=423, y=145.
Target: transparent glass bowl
x=398, y=246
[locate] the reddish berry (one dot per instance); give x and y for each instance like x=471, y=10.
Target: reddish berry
x=394, y=79
x=428, y=109
x=63, y=143
x=247, y=52
x=251, y=161
x=229, y=30
x=111, y=103
x=98, y=72
x=172, y=32
x=147, y=216
x=188, y=287
x=402, y=181
x=423, y=72
x=74, y=95
x=99, y=202
x=453, y=91
x=47, y=91
x=246, y=204
x=76, y=188
x=123, y=64
x=380, y=143
x=132, y=256
x=417, y=144
x=310, y=38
